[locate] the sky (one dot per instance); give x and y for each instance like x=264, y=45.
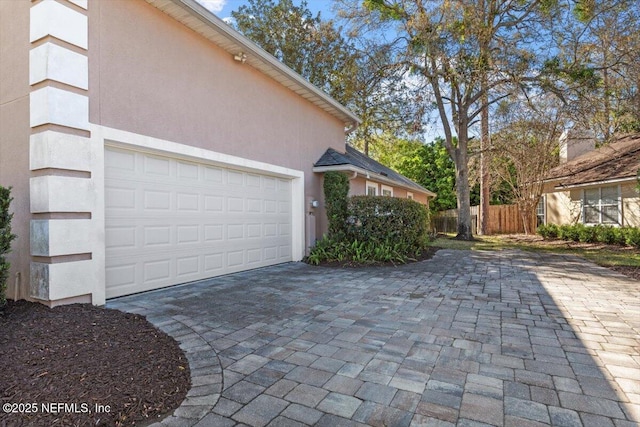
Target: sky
x=223, y=8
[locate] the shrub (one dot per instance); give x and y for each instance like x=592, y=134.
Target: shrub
x=388, y=219
x=606, y=234
x=6, y=237
x=336, y=191
x=587, y=234
x=361, y=252
x=620, y=238
x=548, y=231
x=379, y=229
x=632, y=236
x=569, y=232
x=592, y=234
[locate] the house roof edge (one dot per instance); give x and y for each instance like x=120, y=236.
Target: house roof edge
x=235, y=43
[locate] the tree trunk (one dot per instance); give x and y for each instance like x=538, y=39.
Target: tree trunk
x=485, y=195
x=462, y=191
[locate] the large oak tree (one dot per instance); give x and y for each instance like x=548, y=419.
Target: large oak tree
x=467, y=55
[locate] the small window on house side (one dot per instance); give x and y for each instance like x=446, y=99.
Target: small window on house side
x=601, y=206
x=372, y=189
x=387, y=191
x=540, y=211
x=409, y=195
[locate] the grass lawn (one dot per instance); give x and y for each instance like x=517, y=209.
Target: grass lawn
x=604, y=255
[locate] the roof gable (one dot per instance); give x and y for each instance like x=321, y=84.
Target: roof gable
x=354, y=160
x=619, y=160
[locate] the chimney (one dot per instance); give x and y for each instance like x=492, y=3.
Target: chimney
x=575, y=143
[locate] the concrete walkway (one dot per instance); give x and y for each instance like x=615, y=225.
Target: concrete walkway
x=468, y=338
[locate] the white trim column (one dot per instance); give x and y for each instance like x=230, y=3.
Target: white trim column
x=62, y=188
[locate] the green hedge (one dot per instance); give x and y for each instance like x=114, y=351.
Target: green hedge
x=6, y=237
x=378, y=229
x=380, y=219
x=336, y=191
x=629, y=236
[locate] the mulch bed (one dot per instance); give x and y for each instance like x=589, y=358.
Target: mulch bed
x=57, y=364
x=633, y=272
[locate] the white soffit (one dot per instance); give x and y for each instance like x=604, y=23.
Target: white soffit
x=205, y=23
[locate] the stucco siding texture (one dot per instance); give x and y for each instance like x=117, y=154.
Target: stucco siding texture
x=15, y=130
x=630, y=204
x=151, y=75
x=560, y=207
x=564, y=207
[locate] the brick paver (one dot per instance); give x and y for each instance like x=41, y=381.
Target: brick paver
x=468, y=338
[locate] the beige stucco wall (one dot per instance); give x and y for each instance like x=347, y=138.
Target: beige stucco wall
x=564, y=207
x=15, y=129
x=151, y=75
x=630, y=204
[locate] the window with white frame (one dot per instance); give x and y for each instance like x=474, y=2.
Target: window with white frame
x=387, y=191
x=372, y=188
x=601, y=205
x=409, y=195
x=541, y=211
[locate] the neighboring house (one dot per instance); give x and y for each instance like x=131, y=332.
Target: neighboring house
x=366, y=176
x=593, y=186
x=149, y=144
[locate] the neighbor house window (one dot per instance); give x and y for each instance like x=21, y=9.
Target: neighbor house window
x=387, y=191
x=409, y=195
x=601, y=206
x=372, y=189
x=541, y=211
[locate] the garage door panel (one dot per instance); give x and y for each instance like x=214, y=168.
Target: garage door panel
x=157, y=235
x=213, y=203
x=155, y=200
x=120, y=237
x=271, y=253
x=120, y=160
x=253, y=180
x=121, y=275
x=156, y=166
x=188, y=234
x=235, y=204
x=188, y=266
x=158, y=270
x=213, y=174
x=171, y=221
x=235, y=178
x=188, y=171
x=187, y=202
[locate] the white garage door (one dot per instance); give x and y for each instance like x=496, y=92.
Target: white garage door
x=171, y=221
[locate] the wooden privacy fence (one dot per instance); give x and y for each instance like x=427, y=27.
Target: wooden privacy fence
x=449, y=223
x=503, y=219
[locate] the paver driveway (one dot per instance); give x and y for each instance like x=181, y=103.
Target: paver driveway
x=468, y=338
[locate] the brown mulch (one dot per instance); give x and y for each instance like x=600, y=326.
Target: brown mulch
x=78, y=365
x=633, y=272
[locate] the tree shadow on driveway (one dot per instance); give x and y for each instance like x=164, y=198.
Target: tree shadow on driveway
x=502, y=338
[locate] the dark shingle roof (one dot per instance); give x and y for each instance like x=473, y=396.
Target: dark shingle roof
x=355, y=158
x=615, y=161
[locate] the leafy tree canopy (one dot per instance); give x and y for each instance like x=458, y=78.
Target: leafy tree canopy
x=312, y=47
